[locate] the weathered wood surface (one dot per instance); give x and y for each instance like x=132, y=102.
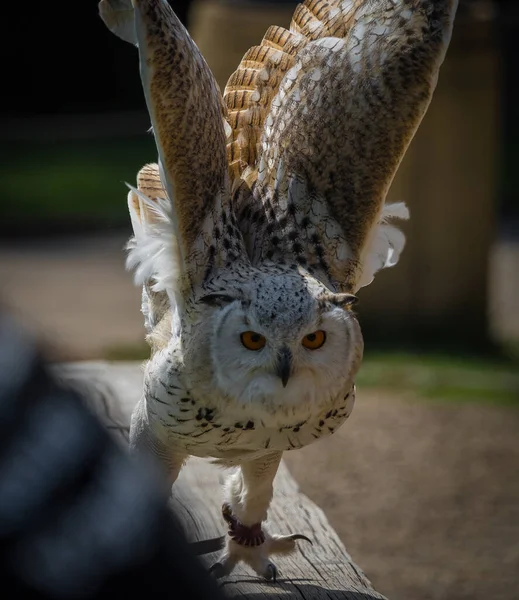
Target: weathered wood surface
x=323, y=570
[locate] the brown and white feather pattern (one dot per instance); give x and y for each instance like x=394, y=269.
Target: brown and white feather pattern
x=322, y=116
x=272, y=215
x=187, y=115
x=247, y=230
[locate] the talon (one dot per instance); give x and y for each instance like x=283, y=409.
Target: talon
x=218, y=570
x=224, y=566
x=298, y=536
x=272, y=573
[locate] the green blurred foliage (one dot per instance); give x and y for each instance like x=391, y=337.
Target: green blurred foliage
x=434, y=377
x=70, y=181
x=454, y=378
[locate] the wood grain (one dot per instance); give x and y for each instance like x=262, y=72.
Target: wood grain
x=323, y=570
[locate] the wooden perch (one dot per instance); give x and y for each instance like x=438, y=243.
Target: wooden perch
x=323, y=570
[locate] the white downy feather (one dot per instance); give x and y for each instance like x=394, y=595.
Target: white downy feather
x=153, y=251
x=384, y=245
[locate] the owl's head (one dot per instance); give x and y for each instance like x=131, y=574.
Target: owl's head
x=284, y=338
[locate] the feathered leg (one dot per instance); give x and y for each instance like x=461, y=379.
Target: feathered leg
x=143, y=441
x=249, y=492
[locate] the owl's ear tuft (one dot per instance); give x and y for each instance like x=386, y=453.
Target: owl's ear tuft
x=345, y=301
x=217, y=299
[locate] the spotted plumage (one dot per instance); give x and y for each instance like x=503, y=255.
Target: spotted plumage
x=264, y=216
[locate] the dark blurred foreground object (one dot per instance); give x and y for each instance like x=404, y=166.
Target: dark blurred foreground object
x=78, y=517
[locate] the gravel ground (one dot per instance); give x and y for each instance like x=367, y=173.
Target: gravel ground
x=424, y=495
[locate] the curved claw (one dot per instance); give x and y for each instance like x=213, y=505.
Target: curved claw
x=221, y=569
x=224, y=565
x=272, y=573
x=217, y=569
x=299, y=536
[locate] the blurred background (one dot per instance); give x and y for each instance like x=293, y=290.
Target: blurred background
x=423, y=482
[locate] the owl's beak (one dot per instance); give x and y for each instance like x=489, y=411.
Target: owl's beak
x=284, y=365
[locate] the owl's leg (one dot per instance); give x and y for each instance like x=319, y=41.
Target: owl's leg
x=142, y=440
x=249, y=493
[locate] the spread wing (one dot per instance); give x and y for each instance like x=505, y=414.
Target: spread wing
x=321, y=117
x=177, y=242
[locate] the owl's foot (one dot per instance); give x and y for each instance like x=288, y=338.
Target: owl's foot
x=253, y=546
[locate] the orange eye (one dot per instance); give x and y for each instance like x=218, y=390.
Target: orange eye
x=313, y=341
x=252, y=340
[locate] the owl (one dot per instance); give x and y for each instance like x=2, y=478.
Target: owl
x=263, y=217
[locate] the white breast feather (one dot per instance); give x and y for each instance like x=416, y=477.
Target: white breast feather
x=153, y=252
